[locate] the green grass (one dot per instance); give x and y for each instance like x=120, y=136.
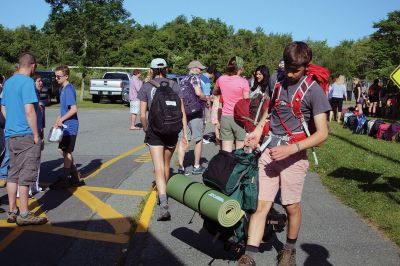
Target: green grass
x=87, y=102
x=364, y=173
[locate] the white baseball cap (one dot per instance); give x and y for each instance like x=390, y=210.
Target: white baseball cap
x=158, y=63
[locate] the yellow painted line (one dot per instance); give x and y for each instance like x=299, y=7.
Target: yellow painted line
x=113, y=160
x=10, y=237
x=34, y=207
x=117, y=191
x=120, y=223
x=63, y=231
x=143, y=158
x=145, y=218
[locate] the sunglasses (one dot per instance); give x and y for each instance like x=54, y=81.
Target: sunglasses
x=58, y=77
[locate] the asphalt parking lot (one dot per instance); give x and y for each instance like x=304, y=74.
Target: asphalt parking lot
x=91, y=224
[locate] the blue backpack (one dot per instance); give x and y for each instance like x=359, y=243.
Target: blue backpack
x=191, y=101
x=362, y=125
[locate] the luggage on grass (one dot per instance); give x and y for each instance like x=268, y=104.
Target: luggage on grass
x=382, y=130
x=390, y=134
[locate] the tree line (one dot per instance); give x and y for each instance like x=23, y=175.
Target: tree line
x=101, y=33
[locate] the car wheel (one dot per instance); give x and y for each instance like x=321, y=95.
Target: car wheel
x=95, y=98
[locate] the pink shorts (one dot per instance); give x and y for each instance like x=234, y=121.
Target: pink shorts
x=288, y=174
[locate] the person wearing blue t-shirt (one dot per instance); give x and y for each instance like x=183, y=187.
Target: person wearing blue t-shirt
x=20, y=108
x=205, y=79
x=68, y=121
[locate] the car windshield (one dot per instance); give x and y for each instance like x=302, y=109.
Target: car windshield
x=47, y=75
x=116, y=76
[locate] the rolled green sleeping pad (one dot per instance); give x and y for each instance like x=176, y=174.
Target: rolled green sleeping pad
x=208, y=202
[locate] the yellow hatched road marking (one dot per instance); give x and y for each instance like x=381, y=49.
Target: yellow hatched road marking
x=117, y=191
x=119, y=222
x=143, y=158
x=113, y=160
x=63, y=231
x=145, y=218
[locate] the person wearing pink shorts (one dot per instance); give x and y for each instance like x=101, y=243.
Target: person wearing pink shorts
x=283, y=165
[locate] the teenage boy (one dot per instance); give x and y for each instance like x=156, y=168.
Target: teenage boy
x=68, y=121
x=283, y=165
x=195, y=121
x=19, y=107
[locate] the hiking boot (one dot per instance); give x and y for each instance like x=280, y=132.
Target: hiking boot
x=183, y=171
x=287, y=257
x=61, y=183
x=198, y=170
x=30, y=219
x=12, y=217
x=246, y=260
x=164, y=214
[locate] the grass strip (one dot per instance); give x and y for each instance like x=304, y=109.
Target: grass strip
x=364, y=173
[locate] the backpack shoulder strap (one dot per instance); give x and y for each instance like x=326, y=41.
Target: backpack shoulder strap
x=275, y=95
x=299, y=95
x=154, y=83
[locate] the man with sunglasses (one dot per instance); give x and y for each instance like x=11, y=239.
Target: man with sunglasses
x=20, y=108
x=68, y=121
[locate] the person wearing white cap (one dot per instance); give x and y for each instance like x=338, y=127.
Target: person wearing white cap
x=194, y=101
x=161, y=146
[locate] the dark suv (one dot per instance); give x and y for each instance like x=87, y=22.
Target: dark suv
x=50, y=86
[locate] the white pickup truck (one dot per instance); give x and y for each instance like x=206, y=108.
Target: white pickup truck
x=113, y=85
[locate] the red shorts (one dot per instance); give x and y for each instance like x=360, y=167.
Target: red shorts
x=287, y=174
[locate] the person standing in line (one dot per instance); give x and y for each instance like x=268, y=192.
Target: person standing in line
x=195, y=119
x=19, y=107
x=338, y=93
x=283, y=164
x=68, y=121
x=134, y=86
x=358, y=95
x=205, y=79
x=161, y=147
x=373, y=97
x=232, y=88
x=42, y=117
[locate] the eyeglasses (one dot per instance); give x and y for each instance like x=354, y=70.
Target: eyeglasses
x=58, y=77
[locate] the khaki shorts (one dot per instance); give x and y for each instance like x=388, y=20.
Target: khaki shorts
x=24, y=160
x=288, y=174
x=230, y=130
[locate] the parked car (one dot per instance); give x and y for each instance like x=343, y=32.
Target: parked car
x=113, y=85
x=176, y=77
x=50, y=88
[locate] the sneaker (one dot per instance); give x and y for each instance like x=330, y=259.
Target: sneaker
x=198, y=170
x=183, y=171
x=12, y=217
x=3, y=182
x=164, y=214
x=206, y=141
x=246, y=260
x=287, y=257
x=30, y=219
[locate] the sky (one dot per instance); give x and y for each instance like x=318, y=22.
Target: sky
x=318, y=20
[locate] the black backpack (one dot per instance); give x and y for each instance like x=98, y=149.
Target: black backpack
x=375, y=127
x=165, y=115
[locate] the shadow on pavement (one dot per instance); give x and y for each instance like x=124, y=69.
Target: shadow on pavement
x=317, y=255
x=203, y=242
